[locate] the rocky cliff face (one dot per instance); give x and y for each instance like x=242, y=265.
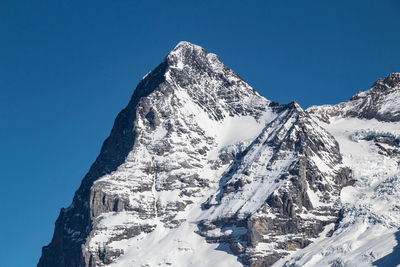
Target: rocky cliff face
x=367, y=129
x=280, y=192
x=201, y=170
x=75, y=223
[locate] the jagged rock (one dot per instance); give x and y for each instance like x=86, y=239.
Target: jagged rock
x=282, y=209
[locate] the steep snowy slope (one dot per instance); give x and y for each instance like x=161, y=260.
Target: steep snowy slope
x=368, y=131
x=280, y=193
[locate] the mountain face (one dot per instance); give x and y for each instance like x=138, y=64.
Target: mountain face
x=367, y=128
x=201, y=170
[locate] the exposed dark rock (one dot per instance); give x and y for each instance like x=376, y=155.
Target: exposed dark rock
x=65, y=249
x=280, y=221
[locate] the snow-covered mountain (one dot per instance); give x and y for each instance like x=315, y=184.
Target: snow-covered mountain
x=367, y=128
x=201, y=170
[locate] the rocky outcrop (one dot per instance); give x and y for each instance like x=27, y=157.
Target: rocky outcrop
x=367, y=131
x=74, y=223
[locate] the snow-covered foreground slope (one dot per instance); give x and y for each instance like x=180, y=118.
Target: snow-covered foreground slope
x=201, y=170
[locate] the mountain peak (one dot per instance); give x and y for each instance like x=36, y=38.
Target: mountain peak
x=185, y=49
x=185, y=45
x=166, y=142
x=392, y=81
x=296, y=106
x=187, y=54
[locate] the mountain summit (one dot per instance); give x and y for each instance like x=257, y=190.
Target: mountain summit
x=201, y=170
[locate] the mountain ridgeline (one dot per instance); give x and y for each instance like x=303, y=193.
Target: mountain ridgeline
x=201, y=170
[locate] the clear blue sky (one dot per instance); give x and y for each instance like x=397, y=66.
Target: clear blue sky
x=68, y=67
